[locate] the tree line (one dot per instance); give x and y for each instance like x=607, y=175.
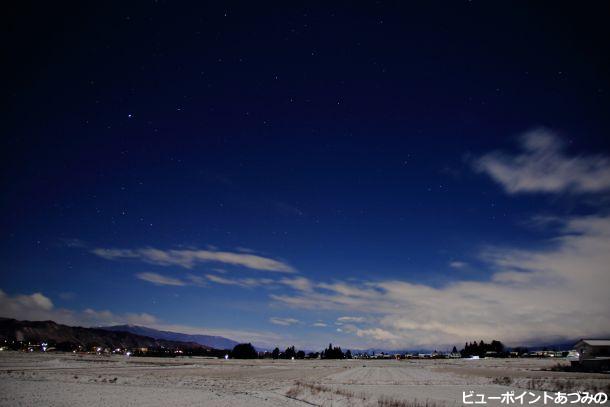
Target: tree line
x=247, y=351
x=481, y=349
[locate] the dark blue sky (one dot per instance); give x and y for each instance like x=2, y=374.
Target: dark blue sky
x=344, y=141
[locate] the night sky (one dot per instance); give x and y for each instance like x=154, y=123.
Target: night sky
x=371, y=174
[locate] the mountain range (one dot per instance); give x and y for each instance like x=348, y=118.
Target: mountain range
x=49, y=331
x=216, y=342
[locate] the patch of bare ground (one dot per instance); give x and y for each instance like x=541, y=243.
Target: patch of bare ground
x=567, y=385
x=316, y=388
x=391, y=402
x=579, y=381
x=302, y=390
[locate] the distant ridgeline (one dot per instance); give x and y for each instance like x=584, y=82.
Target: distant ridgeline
x=210, y=341
x=48, y=335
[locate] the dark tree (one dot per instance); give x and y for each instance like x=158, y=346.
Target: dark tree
x=244, y=351
x=497, y=346
x=348, y=354
x=290, y=353
x=276, y=353
x=300, y=355
x=332, y=353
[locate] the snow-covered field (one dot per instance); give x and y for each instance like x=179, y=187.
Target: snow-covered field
x=88, y=380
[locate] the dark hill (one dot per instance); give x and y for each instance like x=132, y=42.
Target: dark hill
x=49, y=331
x=216, y=342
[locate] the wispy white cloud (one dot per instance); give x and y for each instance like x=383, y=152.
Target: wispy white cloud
x=36, y=301
x=378, y=334
x=159, y=279
x=543, y=166
x=163, y=280
x=196, y=280
x=105, y=318
x=458, y=264
x=319, y=324
x=351, y=319
x=283, y=321
x=241, y=282
x=298, y=283
x=188, y=258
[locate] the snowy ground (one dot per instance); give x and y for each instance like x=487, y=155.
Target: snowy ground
x=89, y=380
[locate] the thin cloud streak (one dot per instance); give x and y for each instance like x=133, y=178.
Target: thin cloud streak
x=189, y=258
x=351, y=319
x=159, y=279
x=241, y=282
x=458, y=264
x=283, y=321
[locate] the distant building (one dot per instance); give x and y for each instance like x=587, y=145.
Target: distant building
x=593, y=354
